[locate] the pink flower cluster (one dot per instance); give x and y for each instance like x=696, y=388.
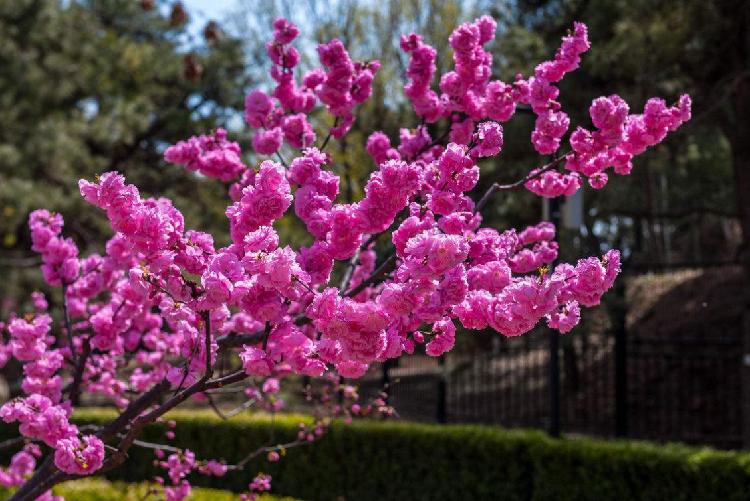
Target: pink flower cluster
x=552, y=123
x=340, y=85
x=618, y=137
x=41, y=419
x=343, y=85
x=79, y=457
x=41, y=415
x=288, y=122
x=213, y=156
x=22, y=465
x=59, y=255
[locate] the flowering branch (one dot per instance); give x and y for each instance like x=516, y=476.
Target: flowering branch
x=161, y=293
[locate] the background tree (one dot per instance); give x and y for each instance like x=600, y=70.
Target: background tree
x=95, y=85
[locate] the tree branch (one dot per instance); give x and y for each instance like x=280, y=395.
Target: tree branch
x=344, y=284
x=207, y=320
x=328, y=137
x=507, y=187
x=75, y=387
x=68, y=325
x=381, y=272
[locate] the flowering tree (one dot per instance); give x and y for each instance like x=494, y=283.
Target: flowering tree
x=144, y=323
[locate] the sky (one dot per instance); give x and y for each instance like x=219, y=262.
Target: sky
x=203, y=10
x=209, y=8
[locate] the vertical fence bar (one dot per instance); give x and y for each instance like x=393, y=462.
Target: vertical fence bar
x=385, y=378
x=621, y=364
x=554, y=383
x=440, y=412
x=621, y=378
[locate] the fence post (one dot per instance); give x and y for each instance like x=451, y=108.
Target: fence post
x=554, y=383
x=441, y=413
x=554, y=345
x=619, y=311
x=745, y=374
x=385, y=381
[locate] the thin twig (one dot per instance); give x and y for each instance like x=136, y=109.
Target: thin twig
x=381, y=272
x=233, y=339
x=517, y=184
x=75, y=386
x=207, y=320
x=12, y=442
x=240, y=408
x=264, y=450
x=159, y=447
x=328, y=137
x=349, y=272
x=214, y=407
x=281, y=159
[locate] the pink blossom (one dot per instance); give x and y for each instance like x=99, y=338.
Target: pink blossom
x=298, y=132
x=271, y=385
x=212, y=156
x=267, y=142
x=445, y=338
x=79, y=457
x=284, y=31
x=256, y=362
x=177, y=492
x=565, y=317
x=489, y=140
x=258, y=108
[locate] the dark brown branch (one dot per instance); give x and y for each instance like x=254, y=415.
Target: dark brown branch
x=381, y=272
x=75, y=387
x=281, y=159
x=266, y=334
x=214, y=407
x=231, y=340
x=512, y=186
x=328, y=137
x=13, y=442
x=264, y=450
x=207, y=320
x=349, y=272
x=68, y=325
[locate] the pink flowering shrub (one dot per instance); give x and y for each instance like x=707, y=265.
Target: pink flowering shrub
x=144, y=323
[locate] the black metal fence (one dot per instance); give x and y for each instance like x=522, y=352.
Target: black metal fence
x=654, y=373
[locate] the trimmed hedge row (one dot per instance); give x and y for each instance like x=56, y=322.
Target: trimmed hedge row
x=407, y=461
x=95, y=489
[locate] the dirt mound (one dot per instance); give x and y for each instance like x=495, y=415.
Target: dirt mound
x=686, y=304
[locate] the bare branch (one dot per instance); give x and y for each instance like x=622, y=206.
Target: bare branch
x=281, y=159
x=328, y=137
x=517, y=184
x=207, y=320
x=265, y=450
x=380, y=273
x=349, y=272
x=75, y=387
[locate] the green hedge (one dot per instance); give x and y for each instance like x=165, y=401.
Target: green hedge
x=95, y=489
x=406, y=461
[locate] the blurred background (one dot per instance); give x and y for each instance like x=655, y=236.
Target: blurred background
x=98, y=85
